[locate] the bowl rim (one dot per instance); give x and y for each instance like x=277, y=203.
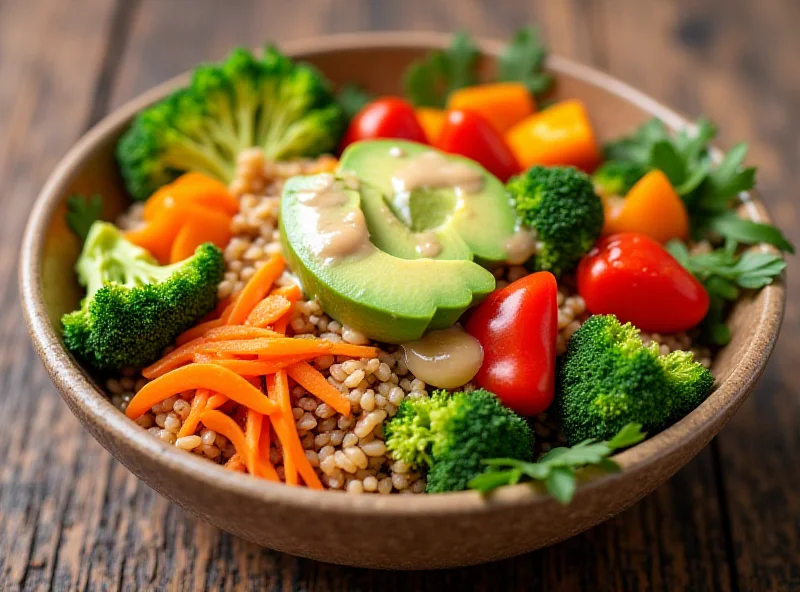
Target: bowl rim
x=81, y=392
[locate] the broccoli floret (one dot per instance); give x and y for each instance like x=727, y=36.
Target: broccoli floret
x=608, y=378
x=134, y=308
x=616, y=177
x=560, y=205
x=284, y=107
x=452, y=434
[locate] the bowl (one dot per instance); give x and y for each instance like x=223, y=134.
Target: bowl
x=409, y=532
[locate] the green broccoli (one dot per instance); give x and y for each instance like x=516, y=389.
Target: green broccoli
x=452, y=434
x=286, y=108
x=560, y=205
x=608, y=378
x=134, y=308
x=616, y=177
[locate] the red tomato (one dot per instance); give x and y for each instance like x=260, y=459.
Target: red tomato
x=634, y=278
x=385, y=118
x=517, y=327
x=470, y=135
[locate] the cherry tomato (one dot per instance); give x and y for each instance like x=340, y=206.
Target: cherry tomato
x=385, y=118
x=634, y=278
x=517, y=327
x=468, y=134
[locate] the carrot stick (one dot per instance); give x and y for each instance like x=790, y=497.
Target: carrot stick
x=252, y=434
x=198, y=331
x=264, y=465
x=314, y=382
x=227, y=332
x=173, y=359
x=216, y=401
x=289, y=466
x=222, y=424
x=283, y=347
x=251, y=367
x=210, y=376
x=268, y=311
x=291, y=292
x=199, y=402
x=256, y=289
x=281, y=324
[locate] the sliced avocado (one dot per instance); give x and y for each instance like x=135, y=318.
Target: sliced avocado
x=389, y=298
x=465, y=223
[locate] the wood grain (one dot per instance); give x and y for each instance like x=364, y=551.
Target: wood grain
x=73, y=518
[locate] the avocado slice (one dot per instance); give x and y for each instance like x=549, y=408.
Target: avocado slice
x=392, y=299
x=473, y=219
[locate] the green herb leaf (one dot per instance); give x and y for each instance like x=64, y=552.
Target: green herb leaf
x=666, y=157
x=731, y=226
x=523, y=61
x=352, y=98
x=82, y=212
x=429, y=81
x=638, y=147
x=556, y=468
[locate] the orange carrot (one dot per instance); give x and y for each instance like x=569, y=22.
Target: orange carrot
x=256, y=289
x=264, y=465
x=231, y=332
x=651, y=207
x=194, y=376
x=177, y=357
x=291, y=292
x=197, y=331
x=268, y=311
x=294, y=457
x=216, y=401
x=503, y=104
x=431, y=121
x=252, y=434
x=251, y=367
x=281, y=347
x=222, y=424
x=281, y=325
x=196, y=188
x=199, y=402
x=559, y=135
x=205, y=226
x=314, y=382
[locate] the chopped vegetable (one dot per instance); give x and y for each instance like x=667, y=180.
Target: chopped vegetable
x=204, y=226
x=634, y=277
x=452, y=434
x=523, y=61
x=608, y=378
x=502, y=104
x=468, y=134
x=559, y=135
x=429, y=81
x=269, y=310
x=82, y=213
x=556, y=468
x=517, y=328
x=199, y=402
x=134, y=308
x=616, y=178
x=560, y=205
x=315, y=383
x=256, y=289
x=227, y=426
x=651, y=207
x=385, y=118
x=284, y=107
x=431, y=121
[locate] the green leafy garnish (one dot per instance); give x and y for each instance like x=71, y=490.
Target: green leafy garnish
x=724, y=273
x=352, y=98
x=82, y=212
x=429, y=81
x=747, y=232
x=523, y=61
x=557, y=467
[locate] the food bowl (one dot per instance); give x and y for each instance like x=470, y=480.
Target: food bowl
x=398, y=531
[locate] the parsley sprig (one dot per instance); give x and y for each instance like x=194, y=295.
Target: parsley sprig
x=82, y=212
x=557, y=467
x=428, y=82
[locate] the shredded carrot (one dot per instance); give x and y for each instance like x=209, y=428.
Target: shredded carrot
x=291, y=292
x=250, y=367
x=199, y=402
x=175, y=358
x=216, y=401
x=268, y=311
x=234, y=463
x=281, y=324
x=314, y=382
x=194, y=376
x=226, y=332
x=256, y=289
x=264, y=465
x=222, y=424
x=252, y=435
x=197, y=331
x=282, y=347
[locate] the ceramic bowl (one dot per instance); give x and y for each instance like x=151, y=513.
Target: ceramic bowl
x=422, y=531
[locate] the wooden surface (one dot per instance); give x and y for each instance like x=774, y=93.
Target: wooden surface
x=72, y=517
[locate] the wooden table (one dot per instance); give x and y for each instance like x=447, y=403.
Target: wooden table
x=72, y=517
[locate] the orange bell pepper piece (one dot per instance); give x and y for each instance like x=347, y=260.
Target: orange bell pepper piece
x=559, y=135
x=202, y=226
x=196, y=188
x=503, y=104
x=431, y=121
x=651, y=207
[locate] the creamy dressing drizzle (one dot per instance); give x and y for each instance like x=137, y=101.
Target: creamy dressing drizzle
x=433, y=169
x=336, y=235
x=448, y=358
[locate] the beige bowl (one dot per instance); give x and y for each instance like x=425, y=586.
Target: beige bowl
x=411, y=532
